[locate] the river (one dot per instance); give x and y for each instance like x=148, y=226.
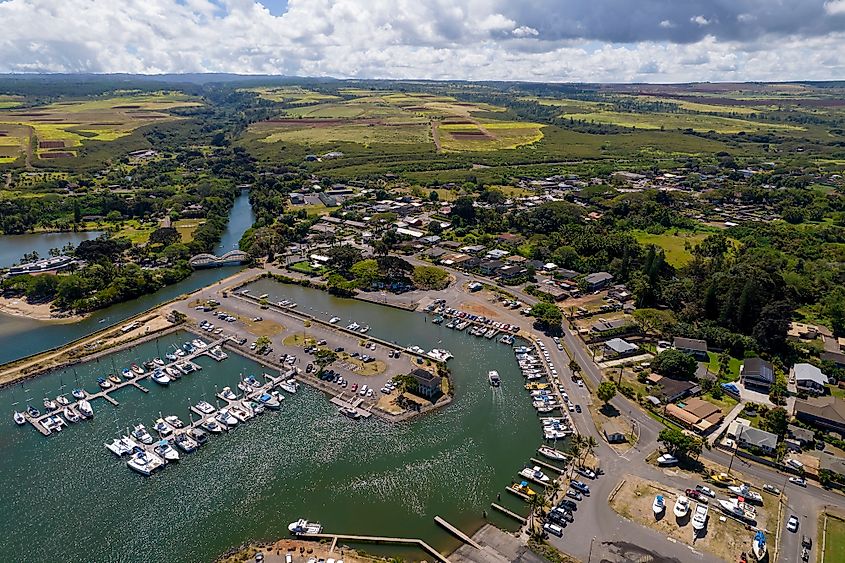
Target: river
x=20, y=336
x=13, y=247
x=67, y=495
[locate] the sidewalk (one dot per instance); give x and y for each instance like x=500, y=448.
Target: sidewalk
x=728, y=419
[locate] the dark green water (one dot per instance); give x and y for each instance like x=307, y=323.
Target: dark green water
x=21, y=337
x=67, y=495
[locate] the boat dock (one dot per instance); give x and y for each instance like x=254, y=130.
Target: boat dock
x=521, y=495
x=513, y=515
x=353, y=403
x=546, y=465
x=379, y=539
x=38, y=422
x=459, y=534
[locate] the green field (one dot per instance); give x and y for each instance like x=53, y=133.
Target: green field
x=675, y=243
x=328, y=136
x=488, y=135
x=834, y=541
x=669, y=121
x=291, y=95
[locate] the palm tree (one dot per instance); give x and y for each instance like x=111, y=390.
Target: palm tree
x=590, y=445
x=536, y=504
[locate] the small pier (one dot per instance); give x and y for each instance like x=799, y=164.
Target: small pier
x=353, y=403
x=520, y=494
x=547, y=465
x=513, y=515
x=379, y=539
x=459, y=534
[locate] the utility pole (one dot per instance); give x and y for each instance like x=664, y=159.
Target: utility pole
x=590, y=556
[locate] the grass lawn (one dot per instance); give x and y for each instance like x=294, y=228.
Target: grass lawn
x=834, y=544
x=726, y=403
x=313, y=210
x=733, y=366
x=186, y=228
x=135, y=231
x=299, y=339
x=305, y=267
x=674, y=244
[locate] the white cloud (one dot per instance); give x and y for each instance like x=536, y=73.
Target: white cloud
x=835, y=7
x=525, y=31
x=700, y=20
x=666, y=24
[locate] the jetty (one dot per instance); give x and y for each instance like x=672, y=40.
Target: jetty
x=378, y=539
x=513, y=515
x=547, y=465
x=354, y=403
x=459, y=534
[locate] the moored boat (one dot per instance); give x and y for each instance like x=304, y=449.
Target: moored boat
x=163, y=428
x=304, y=527
x=19, y=418
x=50, y=405
x=552, y=453
x=140, y=433
x=659, y=505
x=198, y=435
x=205, y=407
x=114, y=379
x=699, y=518
x=160, y=377
x=290, y=385
x=269, y=401
x=758, y=546
x=70, y=414
x=85, y=409
x=164, y=450
x=62, y=400
x=536, y=474
x=143, y=462
x=103, y=383
x=185, y=443
x=137, y=369
x=78, y=394
x=349, y=412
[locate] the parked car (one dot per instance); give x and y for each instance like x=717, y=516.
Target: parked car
x=580, y=487
x=771, y=489
x=578, y=408
x=588, y=473
x=807, y=542
x=574, y=495
x=697, y=495
x=553, y=529
x=800, y=481
x=562, y=514
x=568, y=504
x=706, y=490
x=792, y=524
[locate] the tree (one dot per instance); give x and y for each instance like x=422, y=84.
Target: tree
x=324, y=358
x=430, y=277
x=165, y=236
x=777, y=420
x=654, y=321
x=262, y=342
x=574, y=367
x=833, y=307
x=463, y=207
x=606, y=391
x=548, y=315
x=679, y=443
x=342, y=258
x=674, y=363
x=365, y=272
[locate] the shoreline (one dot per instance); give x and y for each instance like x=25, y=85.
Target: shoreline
x=42, y=312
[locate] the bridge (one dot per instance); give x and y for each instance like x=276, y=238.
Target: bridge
x=231, y=258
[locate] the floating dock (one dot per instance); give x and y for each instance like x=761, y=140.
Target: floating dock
x=353, y=403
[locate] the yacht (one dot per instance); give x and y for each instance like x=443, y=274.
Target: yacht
x=19, y=418
x=166, y=451
x=159, y=362
x=211, y=425
x=50, y=405
x=114, y=379
x=78, y=394
x=290, y=385
x=163, y=428
x=199, y=344
x=85, y=409
x=659, y=505
x=226, y=418
x=253, y=407
x=137, y=369
x=349, y=412
x=127, y=373
x=103, y=383
x=171, y=357
x=32, y=411
x=205, y=407
x=353, y=326
x=173, y=373
x=143, y=462
x=552, y=453
x=180, y=353
x=174, y=421
x=240, y=413
x=160, y=377
x=699, y=519
x=737, y=510
x=189, y=348
x=364, y=329
x=493, y=378
x=269, y=401
x=62, y=400
x=681, y=506
x=506, y=339
x=70, y=414
x=228, y=394
x=440, y=355
x=536, y=474
x=121, y=446
x=304, y=527
x=745, y=491
x=333, y=320
x=244, y=386
x=252, y=382
x=140, y=433
x=198, y=435
x=185, y=443
x=758, y=546
x=523, y=488
x=53, y=424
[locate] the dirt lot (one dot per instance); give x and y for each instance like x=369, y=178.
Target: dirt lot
x=724, y=539
x=301, y=551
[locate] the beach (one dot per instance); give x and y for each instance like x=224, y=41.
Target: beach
x=18, y=307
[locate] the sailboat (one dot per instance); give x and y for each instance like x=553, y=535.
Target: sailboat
x=758, y=546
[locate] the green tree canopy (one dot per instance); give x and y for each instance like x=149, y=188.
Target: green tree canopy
x=679, y=443
x=606, y=391
x=430, y=277
x=365, y=272
x=674, y=363
x=548, y=317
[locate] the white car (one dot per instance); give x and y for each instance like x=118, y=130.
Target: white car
x=792, y=524
x=704, y=489
x=800, y=481
x=580, y=383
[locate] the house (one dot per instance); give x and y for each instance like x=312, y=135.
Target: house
x=696, y=414
x=836, y=358
x=614, y=433
x=799, y=438
x=473, y=248
x=808, y=378
x=826, y=413
x=510, y=272
x=804, y=331
x=757, y=374
x=435, y=252
x=754, y=437
x=597, y=280
x=489, y=267
x=616, y=347
x=671, y=390
x=553, y=291
x=297, y=199
x=604, y=326
x=496, y=254
x=510, y=238
x=428, y=384
x=691, y=346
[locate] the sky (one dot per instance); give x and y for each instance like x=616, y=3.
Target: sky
x=532, y=40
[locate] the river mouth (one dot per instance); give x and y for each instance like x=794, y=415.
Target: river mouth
x=368, y=477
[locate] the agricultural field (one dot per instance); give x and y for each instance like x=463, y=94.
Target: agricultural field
x=476, y=135
x=677, y=244
x=59, y=130
x=291, y=95
x=669, y=121
x=7, y=102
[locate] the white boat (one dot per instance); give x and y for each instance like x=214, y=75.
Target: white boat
x=158, y=361
x=353, y=326
x=85, y=409
x=78, y=394
x=180, y=353
x=333, y=320
x=161, y=378
x=185, y=443
x=745, y=491
x=199, y=343
x=364, y=329
x=140, y=433
x=681, y=507
x=166, y=451
x=173, y=372
x=163, y=428
x=50, y=405
x=536, y=474
x=552, y=453
x=269, y=401
x=699, y=518
x=758, y=545
x=228, y=394
x=144, y=463
x=659, y=505
x=290, y=385
x=211, y=425
x=225, y=417
x=440, y=354
x=666, y=460
x=19, y=418
x=737, y=510
x=121, y=446
x=174, y=421
x=205, y=407
x=349, y=412
x=127, y=373
x=239, y=413
x=70, y=414
x=62, y=400
x=304, y=527
x=493, y=378
x=171, y=357
x=137, y=369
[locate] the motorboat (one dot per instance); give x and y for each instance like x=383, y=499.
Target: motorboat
x=659, y=505
x=19, y=418
x=364, y=329
x=333, y=320
x=699, y=518
x=62, y=400
x=103, y=383
x=205, y=407
x=269, y=401
x=353, y=326
x=226, y=418
x=78, y=394
x=197, y=343
x=738, y=510
x=758, y=546
x=211, y=425
x=50, y=405
x=163, y=428
x=160, y=377
x=171, y=357
x=32, y=411
x=523, y=489
x=159, y=362
x=304, y=527
x=85, y=409
x=114, y=379
x=173, y=372
x=536, y=474
x=70, y=414
x=127, y=373
x=349, y=412
x=290, y=385
x=189, y=348
x=53, y=424
x=138, y=369
x=722, y=479
x=240, y=413
x=174, y=421
x=185, y=443
x=252, y=382
x=745, y=491
x=667, y=460
x=228, y=394
x=253, y=407
x=198, y=435
x=681, y=506
x=121, y=446
x=166, y=451
x=144, y=462
x=493, y=378
x=180, y=353
x=140, y=433
x=440, y=354
x=552, y=453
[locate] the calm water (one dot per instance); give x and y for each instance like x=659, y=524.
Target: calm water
x=21, y=337
x=13, y=247
x=66, y=494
